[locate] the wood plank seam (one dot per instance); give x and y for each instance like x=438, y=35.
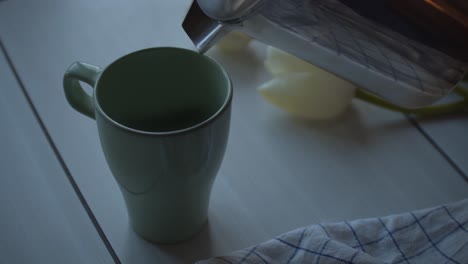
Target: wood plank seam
x=57, y=154
x=431, y=141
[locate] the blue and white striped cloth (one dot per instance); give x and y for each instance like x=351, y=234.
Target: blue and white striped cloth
x=435, y=235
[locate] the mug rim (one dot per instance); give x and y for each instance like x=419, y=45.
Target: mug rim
x=214, y=116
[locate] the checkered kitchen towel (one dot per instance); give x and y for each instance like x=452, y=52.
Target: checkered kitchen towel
x=435, y=235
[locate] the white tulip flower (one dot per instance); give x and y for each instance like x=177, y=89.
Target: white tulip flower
x=233, y=41
x=303, y=89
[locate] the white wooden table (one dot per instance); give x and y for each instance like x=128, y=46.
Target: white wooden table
x=60, y=204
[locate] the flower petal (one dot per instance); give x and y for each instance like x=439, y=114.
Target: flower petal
x=280, y=62
x=308, y=95
x=233, y=41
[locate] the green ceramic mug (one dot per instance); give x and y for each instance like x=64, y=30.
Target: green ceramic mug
x=163, y=119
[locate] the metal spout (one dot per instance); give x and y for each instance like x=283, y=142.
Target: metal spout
x=202, y=30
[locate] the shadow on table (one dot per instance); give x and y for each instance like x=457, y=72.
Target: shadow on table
x=197, y=248
x=348, y=128
x=354, y=126
x=443, y=118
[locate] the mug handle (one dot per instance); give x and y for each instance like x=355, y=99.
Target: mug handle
x=75, y=94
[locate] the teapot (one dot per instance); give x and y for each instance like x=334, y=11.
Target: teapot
x=408, y=52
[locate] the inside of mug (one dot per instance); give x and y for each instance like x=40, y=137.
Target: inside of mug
x=162, y=90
